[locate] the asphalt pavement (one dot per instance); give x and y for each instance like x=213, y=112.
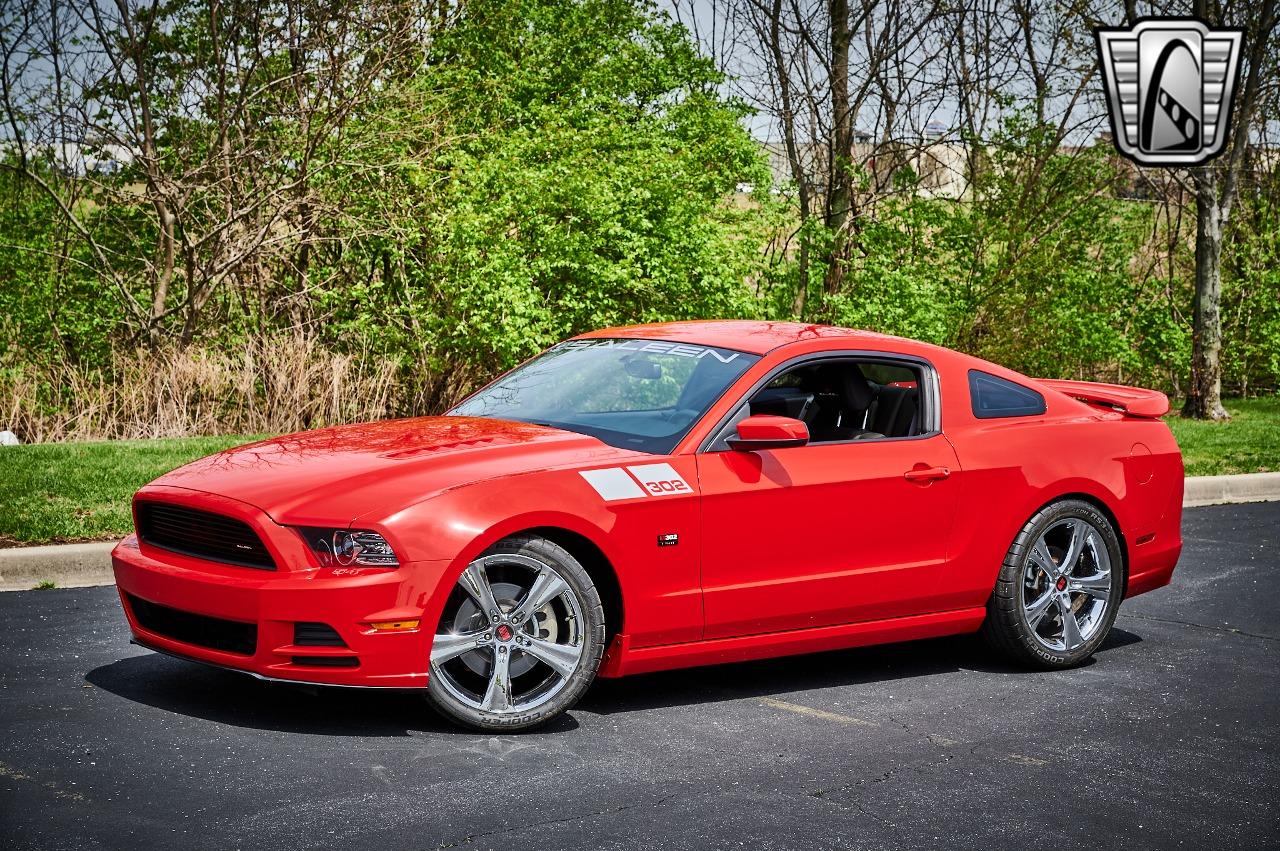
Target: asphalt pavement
x=1168, y=739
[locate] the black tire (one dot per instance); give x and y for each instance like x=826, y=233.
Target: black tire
x=592, y=643
x=1007, y=628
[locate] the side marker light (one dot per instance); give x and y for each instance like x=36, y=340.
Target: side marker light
x=394, y=626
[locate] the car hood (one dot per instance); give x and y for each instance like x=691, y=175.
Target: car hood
x=334, y=475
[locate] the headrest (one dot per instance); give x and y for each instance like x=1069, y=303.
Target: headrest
x=847, y=380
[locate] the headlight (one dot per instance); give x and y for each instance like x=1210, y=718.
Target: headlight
x=346, y=547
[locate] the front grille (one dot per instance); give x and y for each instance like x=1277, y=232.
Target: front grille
x=308, y=634
x=190, y=628
x=202, y=534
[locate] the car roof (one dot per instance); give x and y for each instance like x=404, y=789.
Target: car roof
x=752, y=336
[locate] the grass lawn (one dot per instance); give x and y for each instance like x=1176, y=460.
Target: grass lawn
x=58, y=492
x=1248, y=443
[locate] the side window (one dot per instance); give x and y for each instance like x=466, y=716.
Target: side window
x=843, y=399
x=993, y=397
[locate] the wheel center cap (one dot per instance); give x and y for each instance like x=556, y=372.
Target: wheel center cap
x=1061, y=584
x=503, y=632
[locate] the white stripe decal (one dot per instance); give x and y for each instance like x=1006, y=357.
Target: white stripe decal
x=612, y=483
x=660, y=479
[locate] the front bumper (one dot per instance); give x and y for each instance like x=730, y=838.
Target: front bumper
x=200, y=601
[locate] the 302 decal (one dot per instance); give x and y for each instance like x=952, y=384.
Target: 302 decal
x=668, y=486
x=613, y=483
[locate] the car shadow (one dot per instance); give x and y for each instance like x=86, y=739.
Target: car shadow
x=226, y=697
x=775, y=677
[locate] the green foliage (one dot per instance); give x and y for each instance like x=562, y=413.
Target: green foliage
x=539, y=169
x=1035, y=267
x=50, y=300
x=1048, y=280
x=1251, y=288
x=588, y=186
x=481, y=184
x=903, y=280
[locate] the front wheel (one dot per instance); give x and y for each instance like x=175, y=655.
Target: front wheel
x=520, y=638
x=1059, y=587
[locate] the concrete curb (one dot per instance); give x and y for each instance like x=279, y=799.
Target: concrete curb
x=1219, y=490
x=67, y=565
x=82, y=565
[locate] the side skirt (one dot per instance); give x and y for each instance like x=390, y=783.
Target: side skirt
x=622, y=659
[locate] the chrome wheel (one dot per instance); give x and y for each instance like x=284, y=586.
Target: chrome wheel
x=1066, y=584
x=511, y=635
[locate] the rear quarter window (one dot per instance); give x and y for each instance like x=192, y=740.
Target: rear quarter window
x=994, y=397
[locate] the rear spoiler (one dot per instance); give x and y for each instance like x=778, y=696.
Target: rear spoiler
x=1134, y=401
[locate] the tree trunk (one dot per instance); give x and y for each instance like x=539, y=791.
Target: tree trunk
x=794, y=160
x=1204, y=396
x=840, y=197
x=166, y=244
x=1216, y=190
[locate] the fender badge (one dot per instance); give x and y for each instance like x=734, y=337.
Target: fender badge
x=668, y=540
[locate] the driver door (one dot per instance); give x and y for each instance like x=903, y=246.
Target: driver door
x=833, y=532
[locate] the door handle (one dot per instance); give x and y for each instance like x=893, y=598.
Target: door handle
x=926, y=474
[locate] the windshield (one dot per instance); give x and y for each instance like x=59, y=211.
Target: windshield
x=633, y=394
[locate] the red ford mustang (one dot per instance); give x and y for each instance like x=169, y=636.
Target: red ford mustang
x=661, y=496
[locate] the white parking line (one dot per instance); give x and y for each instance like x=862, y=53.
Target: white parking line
x=816, y=713
x=933, y=738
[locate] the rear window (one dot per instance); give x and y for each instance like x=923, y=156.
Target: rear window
x=993, y=397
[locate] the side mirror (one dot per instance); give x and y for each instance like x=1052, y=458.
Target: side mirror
x=766, y=431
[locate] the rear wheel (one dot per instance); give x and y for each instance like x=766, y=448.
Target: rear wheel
x=520, y=638
x=1059, y=587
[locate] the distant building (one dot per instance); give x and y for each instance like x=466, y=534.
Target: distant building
x=75, y=158
x=938, y=165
